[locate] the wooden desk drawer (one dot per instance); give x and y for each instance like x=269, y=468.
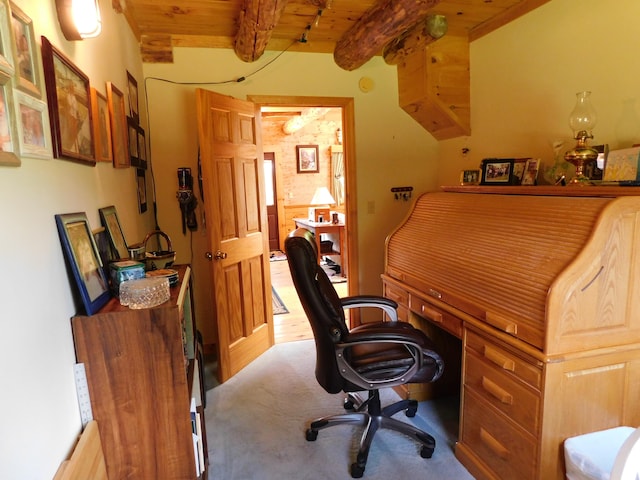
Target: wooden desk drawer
x=396, y=294
x=434, y=314
x=506, y=449
x=505, y=360
x=513, y=398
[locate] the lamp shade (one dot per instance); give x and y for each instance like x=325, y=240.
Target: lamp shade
x=322, y=197
x=79, y=18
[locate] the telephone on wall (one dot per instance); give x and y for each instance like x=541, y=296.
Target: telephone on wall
x=187, y=199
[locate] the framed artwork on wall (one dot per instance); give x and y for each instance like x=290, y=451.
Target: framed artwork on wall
x=6, y=46
x=119, y=142
x=101, y=126
x=81, y=253
x=69, y=98
x=307, y=159
x=132, y=89
x=142, y=148
x=142, y=189
x=34, y=133
x=27, y=71
x=132, y=135
x=8, y=131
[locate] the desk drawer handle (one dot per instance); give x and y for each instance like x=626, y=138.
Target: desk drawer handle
x=431, y=314
x=499, y=359
x=504, y=324
x=493, y=444
x=494, y=390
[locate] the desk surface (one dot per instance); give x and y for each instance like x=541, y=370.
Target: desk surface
x=305, y=222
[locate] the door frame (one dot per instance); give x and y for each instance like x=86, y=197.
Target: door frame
x=347, y=105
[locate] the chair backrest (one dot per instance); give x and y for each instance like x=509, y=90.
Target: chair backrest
x=627, y=463
x=321, y=303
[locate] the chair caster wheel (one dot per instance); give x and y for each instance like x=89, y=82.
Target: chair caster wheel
x=311, y=435
x=411, y=412
x=356, y=470
x=425, y=452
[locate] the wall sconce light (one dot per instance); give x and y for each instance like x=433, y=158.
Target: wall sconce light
x=79, y=19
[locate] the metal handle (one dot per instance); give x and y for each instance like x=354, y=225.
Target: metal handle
x=219, y=255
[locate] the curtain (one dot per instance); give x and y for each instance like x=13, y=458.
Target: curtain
x=337, y=166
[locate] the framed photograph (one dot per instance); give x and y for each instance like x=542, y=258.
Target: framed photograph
x=117, y=115
x=142, y=148
x=111, y=223
x=27, y=72
x=69, y=98
x=530, y=176
x=622, y=165
x=307, y=159
x=469, y=177
x=6, y=48
x=497, y=171
x=82, y=255
x=101, y=126
x=8, y=130
x=132, y=129
x=519, y=165
x=132, y=89
x=34, y=134
x=142, y=189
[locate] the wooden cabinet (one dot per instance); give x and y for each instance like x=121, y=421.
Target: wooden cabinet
x=143, y=372
x=540, y=285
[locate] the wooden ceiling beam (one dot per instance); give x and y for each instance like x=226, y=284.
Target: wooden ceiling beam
x=428, y=31
x=258, y=18
x=379, y=25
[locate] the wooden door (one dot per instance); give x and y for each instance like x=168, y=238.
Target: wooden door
x=233, y=180
x=272, y=202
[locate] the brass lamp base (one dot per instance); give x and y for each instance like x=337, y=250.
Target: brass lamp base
x=579, y=156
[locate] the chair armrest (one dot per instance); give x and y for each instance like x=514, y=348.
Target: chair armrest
x=360, y=301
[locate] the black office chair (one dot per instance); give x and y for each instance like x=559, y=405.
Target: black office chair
x=367, y=358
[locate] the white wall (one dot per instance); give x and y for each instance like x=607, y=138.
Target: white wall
x=524, y=78
x=39, y=415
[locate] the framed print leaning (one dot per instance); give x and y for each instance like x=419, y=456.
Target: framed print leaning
x=69, y=99
x=81, y=252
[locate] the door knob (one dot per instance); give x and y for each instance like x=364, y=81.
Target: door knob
x=219, y=255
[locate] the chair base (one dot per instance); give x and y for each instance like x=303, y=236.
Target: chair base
x=373, y=419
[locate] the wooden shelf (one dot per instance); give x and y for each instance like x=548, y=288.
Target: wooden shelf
x=547, y=190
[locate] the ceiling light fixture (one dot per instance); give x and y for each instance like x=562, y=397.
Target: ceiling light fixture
x=79, y=19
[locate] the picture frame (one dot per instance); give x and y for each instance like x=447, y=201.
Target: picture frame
x=141, y=180
x=497, y=171
x=8, y=127
x=307, y=159
x=101, y=126
x=132, y=135
x=6, y=44
x=623, y=165
x=519, y=167
x=132, y=89
x=470, y=177
x=69, y=99
x=25, y=53
x=111, y=223
x=119, y=139
x=81, y=252
x=142, y=148
x=33, y=129
x=530, y=175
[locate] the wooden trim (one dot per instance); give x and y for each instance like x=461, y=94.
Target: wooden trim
x=547, y=190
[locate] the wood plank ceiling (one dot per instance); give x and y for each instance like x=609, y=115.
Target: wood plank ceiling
x=353, y=30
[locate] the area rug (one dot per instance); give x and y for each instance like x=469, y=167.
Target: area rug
x=277, y=256
x=256, y=424
x=278, y=307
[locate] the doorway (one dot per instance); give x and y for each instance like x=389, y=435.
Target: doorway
x=269, y=105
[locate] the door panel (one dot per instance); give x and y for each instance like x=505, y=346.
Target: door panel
x=233, y=180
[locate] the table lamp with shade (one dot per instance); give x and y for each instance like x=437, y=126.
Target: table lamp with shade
x=321, y=202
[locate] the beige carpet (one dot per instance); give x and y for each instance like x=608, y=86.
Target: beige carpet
x=256, y=424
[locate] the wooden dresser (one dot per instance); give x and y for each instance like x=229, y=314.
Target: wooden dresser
x=540, y=287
